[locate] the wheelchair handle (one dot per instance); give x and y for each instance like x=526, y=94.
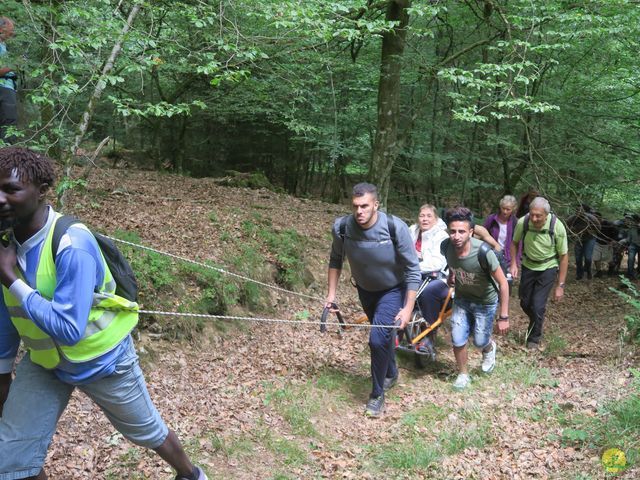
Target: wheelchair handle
x=325, y=314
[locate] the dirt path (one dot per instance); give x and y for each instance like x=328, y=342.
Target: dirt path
x=265, y=401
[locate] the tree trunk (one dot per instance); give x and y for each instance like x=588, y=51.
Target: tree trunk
x=97, y=93
x=385, y=148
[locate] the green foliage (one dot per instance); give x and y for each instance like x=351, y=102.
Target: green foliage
x=163, y=281
x=415, y=455
x=520, y=370
x=632, y=328
x=555, y=344
x=492, y=99
x=216, y=291
x=255, y=180
x=67, y=183
x=286, y=247
x=153, y=271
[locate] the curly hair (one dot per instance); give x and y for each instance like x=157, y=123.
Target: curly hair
x=29, y=166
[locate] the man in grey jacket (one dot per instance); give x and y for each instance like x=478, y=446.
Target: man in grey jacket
x=384, y=265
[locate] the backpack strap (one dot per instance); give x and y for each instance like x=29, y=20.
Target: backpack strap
x=60, y=228
x=552, y=228
x=444, y=246
x=342, y=230
x=484, y=263
x=525, y=227
x=482, y=256
x=391, y=226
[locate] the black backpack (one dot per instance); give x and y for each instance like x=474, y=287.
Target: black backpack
x=126, y=284
x=482, y=259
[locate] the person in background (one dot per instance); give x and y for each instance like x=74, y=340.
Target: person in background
x=619, y=247
x=502, y=224
x=583, y=226
x=632, y=223
x=8, y=87
x=427, y=235
x=606, y=239
x=525, y=200
x=545, y=260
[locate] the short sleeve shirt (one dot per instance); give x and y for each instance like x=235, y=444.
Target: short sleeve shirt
x=539, y=251
x=473, y=283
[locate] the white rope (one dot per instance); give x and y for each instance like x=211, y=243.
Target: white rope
x=266, y=320
x=217, y=269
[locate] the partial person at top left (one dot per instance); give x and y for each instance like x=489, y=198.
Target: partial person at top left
x=8, y=84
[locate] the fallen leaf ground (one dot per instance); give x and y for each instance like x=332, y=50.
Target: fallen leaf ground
x=279, y=401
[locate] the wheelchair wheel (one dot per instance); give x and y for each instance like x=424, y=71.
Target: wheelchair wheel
x=414, y=329
x=415, y=326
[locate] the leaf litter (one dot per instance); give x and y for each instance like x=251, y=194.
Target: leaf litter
x=220, y=392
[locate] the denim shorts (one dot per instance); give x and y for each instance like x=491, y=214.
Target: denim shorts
x=472, y=318
x=37, y=399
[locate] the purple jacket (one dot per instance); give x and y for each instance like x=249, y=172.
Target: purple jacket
x=492, y=225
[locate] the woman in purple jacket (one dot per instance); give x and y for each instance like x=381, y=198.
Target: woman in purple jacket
x=501, y=226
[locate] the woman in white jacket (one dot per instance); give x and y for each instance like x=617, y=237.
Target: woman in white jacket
x=427, y=236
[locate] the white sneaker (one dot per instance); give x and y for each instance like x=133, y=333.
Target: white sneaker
x=201, y=475
x=489, y=359
x=462, y=381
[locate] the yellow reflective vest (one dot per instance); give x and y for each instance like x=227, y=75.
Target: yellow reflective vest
x=111, y=317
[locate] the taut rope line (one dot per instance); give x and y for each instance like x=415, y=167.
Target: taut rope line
x=231, y=317
x=217, y=269
x=261, y=319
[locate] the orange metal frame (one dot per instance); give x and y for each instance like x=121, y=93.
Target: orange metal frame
x=442, y=316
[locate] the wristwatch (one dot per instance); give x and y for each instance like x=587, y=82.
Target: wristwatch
x=503, y=317
x=561, y=285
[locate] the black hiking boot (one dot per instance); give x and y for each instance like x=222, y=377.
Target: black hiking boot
x=375, y=407
x=390, y=382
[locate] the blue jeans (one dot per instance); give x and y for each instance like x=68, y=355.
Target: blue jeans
x=382, y=308
x=37, y=399
x=631, y=260
x=584, y=255
x=469, y=317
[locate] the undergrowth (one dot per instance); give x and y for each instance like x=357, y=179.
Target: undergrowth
x=285, y=247
x=412, y=450
x=632, y=321
x=262, y=253
x=616, y=425
x=173, y=285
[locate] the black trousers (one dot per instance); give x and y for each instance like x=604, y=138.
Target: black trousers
x=535, y=287
x=8, y=112
x=382, y=308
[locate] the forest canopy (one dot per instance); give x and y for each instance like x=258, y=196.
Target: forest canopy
x=439, y=101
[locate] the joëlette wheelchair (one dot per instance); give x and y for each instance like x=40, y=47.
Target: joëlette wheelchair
x=411, y=338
